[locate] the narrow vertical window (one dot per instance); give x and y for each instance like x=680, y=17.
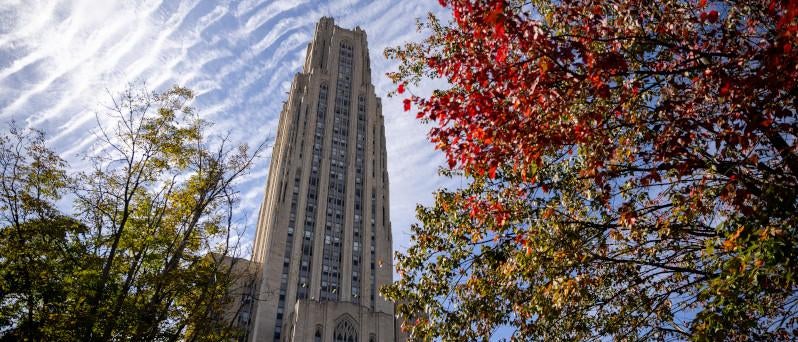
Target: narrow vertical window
x=317, y=337
x=357, y=234
x=373, y=276
x=289, y=243
x=336, y=194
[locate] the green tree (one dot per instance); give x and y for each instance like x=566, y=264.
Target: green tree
x=40, y=248
x=633, y=171
x=134, y=260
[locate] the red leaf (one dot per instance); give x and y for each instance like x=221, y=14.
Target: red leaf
x=712, y=16
x=494, y=15
x=603, y=91
x=501, y=54
x=499, y=29
x=702, y=3
x=492, y=172
x=407, y=104
x=724, y=89
x=442, y=2
x=401, y=88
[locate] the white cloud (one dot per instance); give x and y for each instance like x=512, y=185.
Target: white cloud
x=57, y=58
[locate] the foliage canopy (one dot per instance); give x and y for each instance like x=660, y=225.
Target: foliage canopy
x=633, y=171
x=133, y=258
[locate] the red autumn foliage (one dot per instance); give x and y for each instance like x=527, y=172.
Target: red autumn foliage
x=695, y=94
x=601, y=135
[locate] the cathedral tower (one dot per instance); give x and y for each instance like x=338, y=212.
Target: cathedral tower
x=323, y=238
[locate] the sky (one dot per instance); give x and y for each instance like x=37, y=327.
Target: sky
x=60, y=61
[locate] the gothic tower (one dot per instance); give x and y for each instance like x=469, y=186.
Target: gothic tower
x=323, y=238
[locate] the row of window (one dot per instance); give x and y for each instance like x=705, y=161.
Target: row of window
x=336, y=197
x=303, y=285
x=309, y=226
x=372, y=278
x=289, y=242
x=357, y=253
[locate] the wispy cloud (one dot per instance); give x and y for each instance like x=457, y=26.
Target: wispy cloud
x=59, y=60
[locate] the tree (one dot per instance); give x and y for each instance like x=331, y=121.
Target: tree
x=39, y=248
x=633, y=171
x=134, y=260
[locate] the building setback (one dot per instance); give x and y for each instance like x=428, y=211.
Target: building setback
x=323, y=239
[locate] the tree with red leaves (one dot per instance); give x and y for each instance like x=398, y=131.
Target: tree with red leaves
x=633, y=171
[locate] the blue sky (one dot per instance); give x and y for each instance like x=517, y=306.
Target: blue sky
x=60, y=59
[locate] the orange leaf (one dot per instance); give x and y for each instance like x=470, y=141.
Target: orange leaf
x=492, y=171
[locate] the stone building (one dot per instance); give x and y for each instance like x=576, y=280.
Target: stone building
x=239, y=303
x=323, y=238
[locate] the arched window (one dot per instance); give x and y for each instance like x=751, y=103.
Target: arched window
x=317, y=337
x=345, y=331
x=346, y=45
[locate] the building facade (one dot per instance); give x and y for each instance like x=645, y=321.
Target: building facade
x=239, y=305
x=323, y=239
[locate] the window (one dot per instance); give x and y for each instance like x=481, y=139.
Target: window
x=345, y=331
x=317, y=337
